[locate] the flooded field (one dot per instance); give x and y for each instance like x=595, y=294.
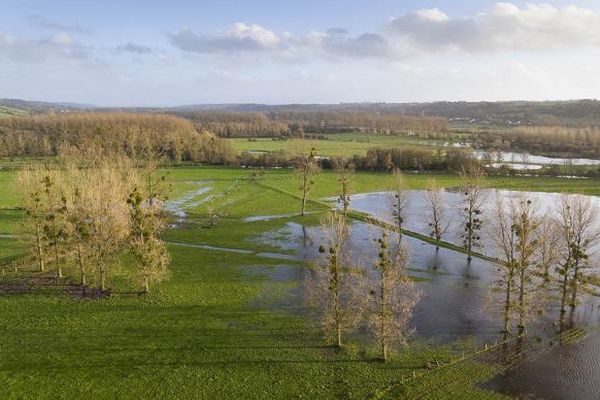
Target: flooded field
x=569, y=372
x=520, y=161
x=378, y=205
x=459, y=301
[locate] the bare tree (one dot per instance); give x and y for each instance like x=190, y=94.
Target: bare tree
x=526, y=226
x=256, y=174
x=515, y=230
x=55, y=229
x=393, y=296
x=110, y=217
x=214, y=215
x=306, y=168
x=505, y=239
x=578, y=224
x=335, y=284
x=156, y=186
x=79, y=216
x=550, y=247
x=434, y=200
x=399, y=201
x=472, y=177
x=31, y=184
x=344, y=170
x=147, y=221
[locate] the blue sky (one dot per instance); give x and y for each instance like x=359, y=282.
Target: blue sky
x=181, y=52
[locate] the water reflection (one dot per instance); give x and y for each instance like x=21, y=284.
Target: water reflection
x=377, y=204
x=559, y=373
x=455, y=293
x=459, y=301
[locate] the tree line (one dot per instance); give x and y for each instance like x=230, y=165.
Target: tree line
x=578, y=142
x=377, y=159
x=297, y=123
x=142, y=136
x=86, y=217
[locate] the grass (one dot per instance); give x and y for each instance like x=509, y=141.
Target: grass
x=336, y=144
x=12, y=112
x=222, y=326
x=202, y=334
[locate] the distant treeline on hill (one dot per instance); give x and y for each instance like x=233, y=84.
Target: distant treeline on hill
x=134, y=135
x=510, y=113
x=294, y=123
x=377, y=159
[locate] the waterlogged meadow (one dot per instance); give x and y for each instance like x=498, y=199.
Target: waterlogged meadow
x=233, y=320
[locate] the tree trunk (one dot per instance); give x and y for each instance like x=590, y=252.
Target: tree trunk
x=336, y=305
x=303, y=196
x=563, y=300
x=81, y=265
x=102, y=280
x=146, y=285
x=58, y=266
x=383, y=316
x=399, y=218
x=38, y=245
x=521, y=300
x=507, y=305
x=574, y=285
x=470, y=236
x=338, y=327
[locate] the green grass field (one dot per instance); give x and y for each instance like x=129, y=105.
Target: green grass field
x=222, y=326
x=12, y=112
x=338, y=144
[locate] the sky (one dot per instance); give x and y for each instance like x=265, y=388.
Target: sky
x=158, y=53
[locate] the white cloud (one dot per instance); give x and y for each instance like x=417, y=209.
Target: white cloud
x=60, y=46
x=536, y=27
x=239, y=37
x=504, y=52
x=505, y=26
x=338, y=43
x=242, y=38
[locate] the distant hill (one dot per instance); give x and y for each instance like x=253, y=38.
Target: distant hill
x=24, y=107
x=508, y=113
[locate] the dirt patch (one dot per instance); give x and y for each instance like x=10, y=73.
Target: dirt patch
x=50, y=281
x=84, y=292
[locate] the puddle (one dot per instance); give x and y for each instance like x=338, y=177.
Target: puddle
x=256, y=218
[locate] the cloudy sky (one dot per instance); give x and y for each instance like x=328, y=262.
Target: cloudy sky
x=151, y=52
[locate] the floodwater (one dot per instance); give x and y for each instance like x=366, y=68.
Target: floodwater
x=188, y=201
x=458, y=298
x=378, y=204
x=458, y=301
x=565, y=372
x=517, y=161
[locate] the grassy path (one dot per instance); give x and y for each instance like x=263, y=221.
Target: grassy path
x=358, y=216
